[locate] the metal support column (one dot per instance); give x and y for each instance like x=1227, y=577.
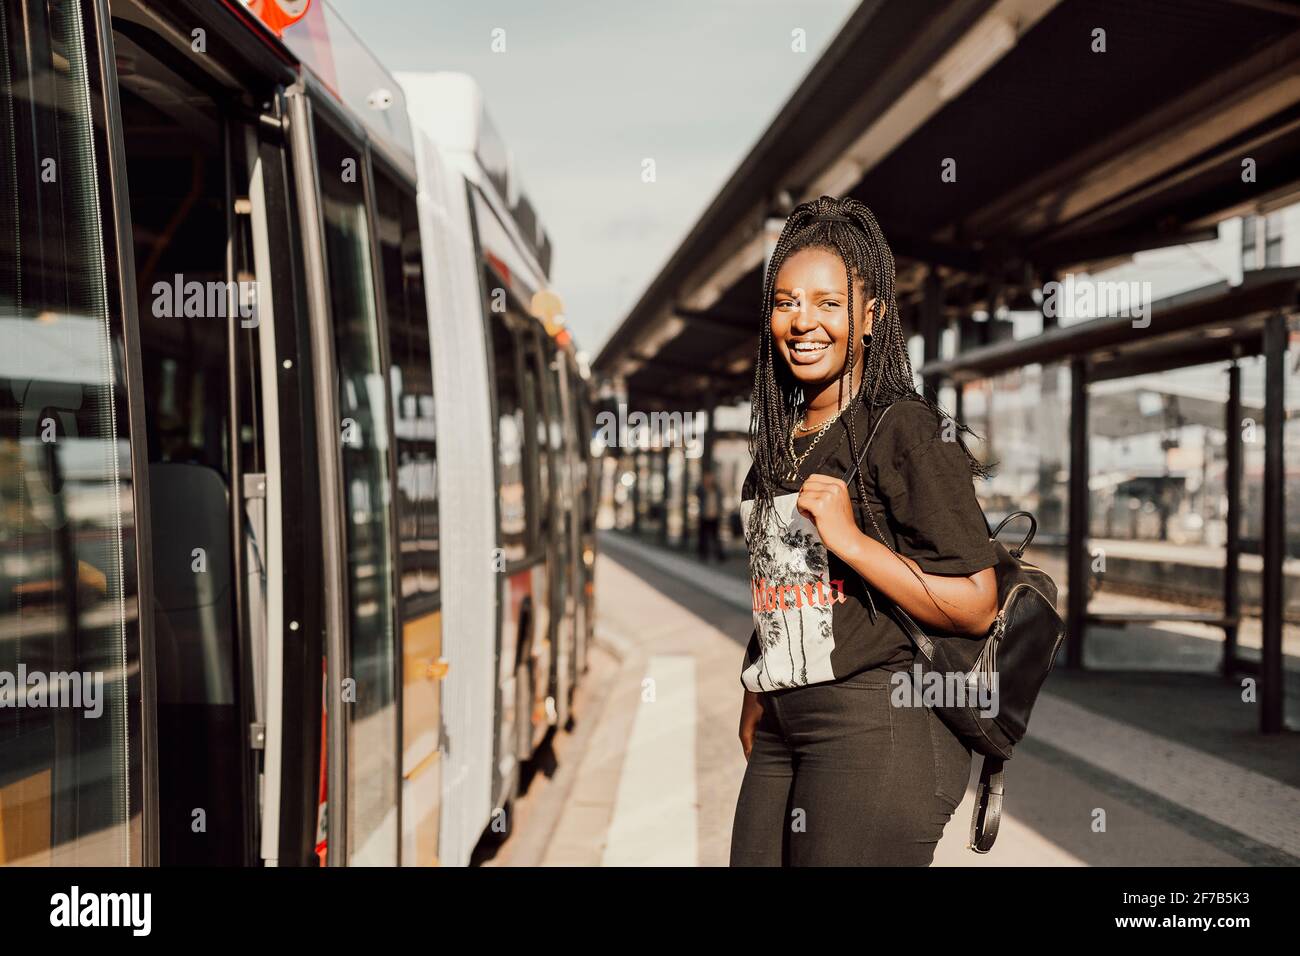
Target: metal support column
x=705, y=462
x=1049, y=399
x=685, y=502
x=1232, y=548
x=662, y=458
x=1270, y=670
x=710, y=437
x=931, y=327
x=1077, y=546
x=637, y=491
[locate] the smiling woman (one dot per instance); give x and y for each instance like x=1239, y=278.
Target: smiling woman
x=834, y=397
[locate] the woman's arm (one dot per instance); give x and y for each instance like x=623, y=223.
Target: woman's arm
x=961, y=604
x=751, y=712
x=751, y=705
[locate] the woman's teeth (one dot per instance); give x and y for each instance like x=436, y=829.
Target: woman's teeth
x=810, y=346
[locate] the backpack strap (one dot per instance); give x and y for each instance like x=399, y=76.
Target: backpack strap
x=861, y=458
x=848, y=481
x=988, y=805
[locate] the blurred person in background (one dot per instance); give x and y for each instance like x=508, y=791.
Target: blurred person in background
x=710, y=498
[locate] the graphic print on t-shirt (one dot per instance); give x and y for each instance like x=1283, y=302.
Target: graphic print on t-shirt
x=793, y=600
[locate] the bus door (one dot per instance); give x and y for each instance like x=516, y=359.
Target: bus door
x=356, y=463
x=209, y=285
x=411, y=394
x=576, y=455
x=549, y=602
x=592, y=469
x=561, y=441
x=283, y=546
x=516, y=480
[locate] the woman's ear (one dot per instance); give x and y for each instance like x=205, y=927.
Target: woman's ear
x=868, y=314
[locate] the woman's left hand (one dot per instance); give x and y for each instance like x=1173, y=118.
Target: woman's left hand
x=825, y=502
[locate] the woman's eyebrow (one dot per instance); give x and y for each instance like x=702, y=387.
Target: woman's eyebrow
x=812, y=291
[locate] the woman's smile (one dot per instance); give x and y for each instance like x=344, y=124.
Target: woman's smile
x=808, y=351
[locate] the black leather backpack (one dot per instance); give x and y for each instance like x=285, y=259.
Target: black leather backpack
x=1013, y=658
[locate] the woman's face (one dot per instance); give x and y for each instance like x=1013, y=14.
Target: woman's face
x=810, y=316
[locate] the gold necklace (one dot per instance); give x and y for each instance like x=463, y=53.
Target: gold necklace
x=797, y=460
x=800, y=427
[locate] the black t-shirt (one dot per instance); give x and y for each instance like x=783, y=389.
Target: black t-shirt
x=811, y=617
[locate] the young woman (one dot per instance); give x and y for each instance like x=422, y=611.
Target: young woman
x=837, y=774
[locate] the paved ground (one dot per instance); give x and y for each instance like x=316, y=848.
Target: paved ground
x=1121, y=768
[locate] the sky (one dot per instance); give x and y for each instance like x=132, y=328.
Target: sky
x=585, y=91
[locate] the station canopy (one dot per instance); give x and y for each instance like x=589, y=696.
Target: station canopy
x=1065, y=158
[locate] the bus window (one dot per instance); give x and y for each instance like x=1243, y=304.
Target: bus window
x=534, y=376
x=558, y=443
x=510, y=442
x=70, y=770
x=576, y=439
x=411, y=381
x=414, y=431
x=372, y=725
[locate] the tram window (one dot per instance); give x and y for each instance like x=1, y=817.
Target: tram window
x=589, y=476
x=533, y=375
x=555, y=425
x=69, y=767
x=372, y=725
x=510, y=443
x=411, y=382
x=577, y=441
x=174, y=138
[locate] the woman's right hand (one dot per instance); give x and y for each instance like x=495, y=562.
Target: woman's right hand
x=751, y=711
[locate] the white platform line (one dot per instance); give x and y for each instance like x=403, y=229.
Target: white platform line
x=656, y=812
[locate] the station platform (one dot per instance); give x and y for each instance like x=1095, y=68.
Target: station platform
x=1122, y=766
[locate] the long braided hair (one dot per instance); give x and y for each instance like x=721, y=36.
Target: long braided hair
x=848, y=228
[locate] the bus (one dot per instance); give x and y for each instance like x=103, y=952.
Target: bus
x=296, y=518
x=527, y=445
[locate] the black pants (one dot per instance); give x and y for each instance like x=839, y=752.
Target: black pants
x=839, y=776
x=709, y=540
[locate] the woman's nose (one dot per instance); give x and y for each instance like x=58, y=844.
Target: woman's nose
x=804, y=319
